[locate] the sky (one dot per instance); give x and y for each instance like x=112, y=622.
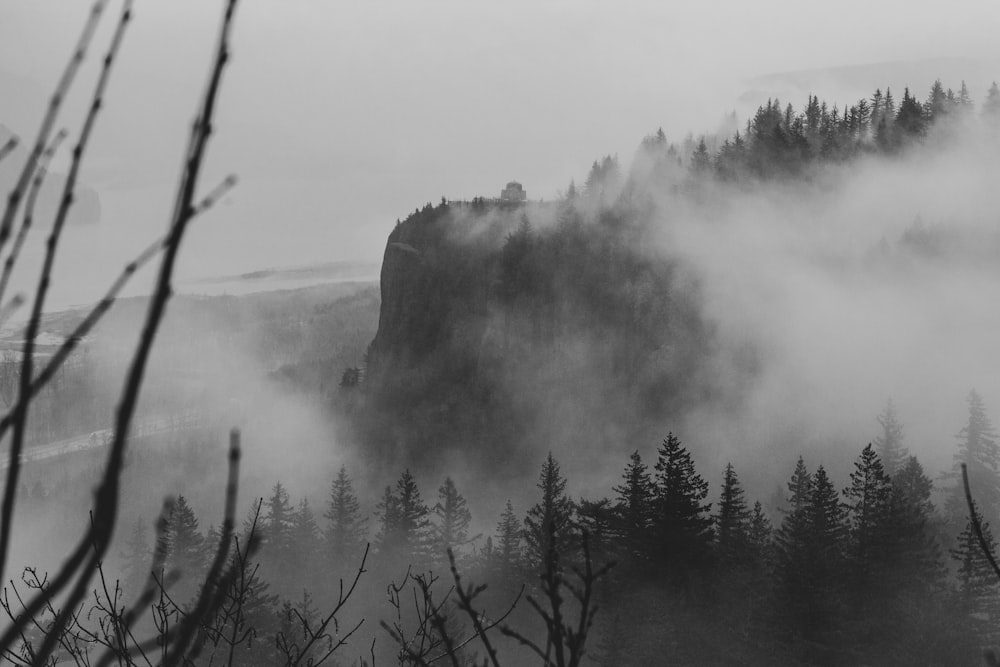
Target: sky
x=341, y=117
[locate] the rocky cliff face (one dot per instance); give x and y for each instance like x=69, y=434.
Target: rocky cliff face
x=505, y=329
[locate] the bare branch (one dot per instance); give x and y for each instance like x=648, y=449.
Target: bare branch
x=21, y=412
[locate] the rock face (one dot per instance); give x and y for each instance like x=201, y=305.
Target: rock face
x=503, y=329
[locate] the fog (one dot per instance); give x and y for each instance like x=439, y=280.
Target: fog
x=842, y=313
x=812, y=298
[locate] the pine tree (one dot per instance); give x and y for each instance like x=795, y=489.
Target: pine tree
x=507, y=545
x=453, y=518
x=404, y=531
x=732, y=519
x=387, y=511
x=277, y=525
x=548, y=527
x=910, y=117
x=870, y=557
x=991, y=105
x=889, y=444
x=635, y=506
x=701, y=161
x=681, y=524
x=759, y=534
x=826, y=516
x=305, y=538
x=964, y=99
x=414, y=519
x=918, y=559
x=597, y=517
x=868, y=501
x=186, y=544
x=937, y=105
x=978, y=586
x=346, y=529
x=978, y=449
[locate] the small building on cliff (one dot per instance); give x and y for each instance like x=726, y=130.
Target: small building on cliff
x=513, y=193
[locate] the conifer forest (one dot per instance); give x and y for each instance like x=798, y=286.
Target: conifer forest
x=724, y=396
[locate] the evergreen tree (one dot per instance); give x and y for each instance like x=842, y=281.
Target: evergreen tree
x=346, y=529
x=597, y=517
x=991, y=105
x=507, y=545
x=964, y=99
x=910, y=117
x=681, y=524
x=453, y=518
x=186, y=544
x=978, y=586
x=732, y=519
x=759, y=534
x=868, y=501
x=277, y=525
x=548, y=528
x=825, y=561
x=978, y=449
x=937, y=105
x=701, y=161
x=405, y=521
x=305, y=538
x=870, y=553
x=889, y=444
x=918, y=559
x=634, y=507
x=387, y=511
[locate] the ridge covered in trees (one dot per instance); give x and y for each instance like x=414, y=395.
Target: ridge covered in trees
x=870, y=569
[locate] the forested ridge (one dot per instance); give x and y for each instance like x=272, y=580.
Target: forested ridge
x=881, y=567
x=565, y=324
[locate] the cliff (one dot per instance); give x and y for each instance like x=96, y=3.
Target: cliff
x=505, y=328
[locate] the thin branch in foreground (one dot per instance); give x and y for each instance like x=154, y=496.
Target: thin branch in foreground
x=29, y=211
x=11, y=307
x=21, y=412
x=48, y=122
x=8, y=147
x=108, y=491
x=68, y=346
x=78, y=564
x=215, y=584
x=976, y=527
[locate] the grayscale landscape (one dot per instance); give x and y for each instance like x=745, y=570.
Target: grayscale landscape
x=559, y=334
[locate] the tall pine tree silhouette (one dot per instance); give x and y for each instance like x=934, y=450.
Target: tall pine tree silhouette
x=682, y=526
x=978, y=449
x=634, y=509
x=548, y=528
x=889, y=443
x=346, y=529
x=732, y=521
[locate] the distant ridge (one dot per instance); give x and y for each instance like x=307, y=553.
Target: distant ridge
x=848, y=83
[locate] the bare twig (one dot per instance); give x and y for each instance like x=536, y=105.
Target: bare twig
x=976, y=527
x=87, y=324
x=78, y=565
x=29, y=211
x=48, y=122
x=21, y=412
x=8, y=147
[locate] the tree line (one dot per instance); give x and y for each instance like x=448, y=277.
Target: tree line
x=883, y=569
